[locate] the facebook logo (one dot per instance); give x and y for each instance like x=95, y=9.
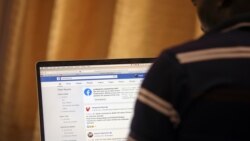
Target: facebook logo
x=88, y=92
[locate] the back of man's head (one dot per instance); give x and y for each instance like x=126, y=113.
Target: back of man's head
x=214, y=12
x=240, y=7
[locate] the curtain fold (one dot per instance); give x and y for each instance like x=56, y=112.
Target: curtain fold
x=145, y=27
x=25, y=42
x=81, y=29
x=34, y=30
x=15, y=24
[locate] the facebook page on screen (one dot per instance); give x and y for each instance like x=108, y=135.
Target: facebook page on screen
x=90, y=103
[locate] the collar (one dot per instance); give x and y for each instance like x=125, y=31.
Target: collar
x=242, y=21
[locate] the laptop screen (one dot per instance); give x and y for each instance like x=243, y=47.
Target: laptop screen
x=88, y=100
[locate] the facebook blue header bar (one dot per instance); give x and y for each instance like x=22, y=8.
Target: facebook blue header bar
x=92, y=77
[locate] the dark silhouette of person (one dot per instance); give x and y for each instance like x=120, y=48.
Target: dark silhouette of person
x=200, y=90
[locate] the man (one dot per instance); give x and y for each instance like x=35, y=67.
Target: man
x=200, y=91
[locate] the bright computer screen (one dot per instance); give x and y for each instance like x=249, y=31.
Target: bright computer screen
x=89, y=102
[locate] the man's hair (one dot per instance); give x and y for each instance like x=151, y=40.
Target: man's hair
x=239, y=7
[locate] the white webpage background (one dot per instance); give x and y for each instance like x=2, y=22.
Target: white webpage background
x=71, y=115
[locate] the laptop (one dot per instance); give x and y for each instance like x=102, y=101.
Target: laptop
x=88, y=100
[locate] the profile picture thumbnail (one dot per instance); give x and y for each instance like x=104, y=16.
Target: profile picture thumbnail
x=90, y=134
x=88, y=92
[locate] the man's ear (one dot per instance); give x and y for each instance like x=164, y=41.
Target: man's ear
x=224, y=3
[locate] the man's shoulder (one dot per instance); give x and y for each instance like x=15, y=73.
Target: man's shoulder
x=207, y=46
x=216, y=40
x=197, y=44
x=172, y=52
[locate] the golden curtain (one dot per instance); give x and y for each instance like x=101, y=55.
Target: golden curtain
x=33, y=30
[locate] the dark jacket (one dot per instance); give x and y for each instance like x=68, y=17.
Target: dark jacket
x=198, y=91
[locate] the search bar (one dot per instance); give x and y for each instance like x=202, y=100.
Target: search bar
x=90, y=77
